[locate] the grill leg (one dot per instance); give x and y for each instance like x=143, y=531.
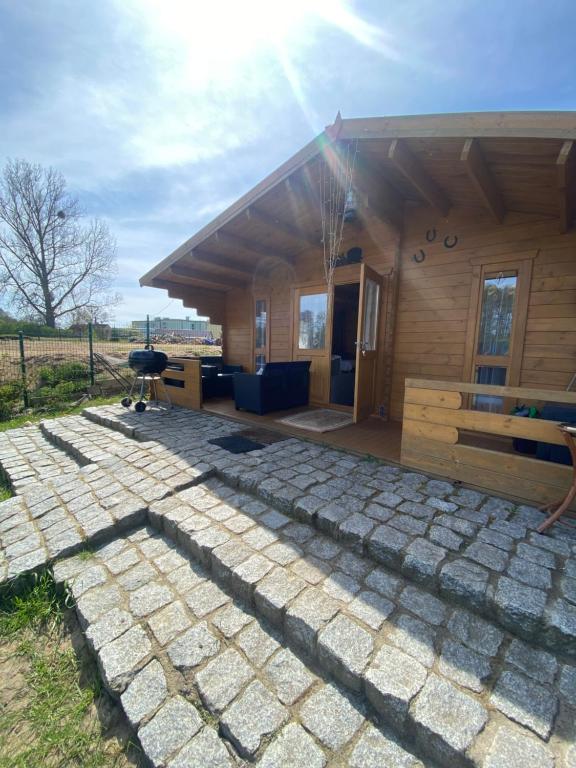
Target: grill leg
x=142, y=387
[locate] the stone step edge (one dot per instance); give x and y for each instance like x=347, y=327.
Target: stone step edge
x=539, y=632
x=429, y=746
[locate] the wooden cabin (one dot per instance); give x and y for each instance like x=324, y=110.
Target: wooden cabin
x=455, y=298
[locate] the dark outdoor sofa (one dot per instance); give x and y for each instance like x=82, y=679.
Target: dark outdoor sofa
x=217, y=378
x=277, y=387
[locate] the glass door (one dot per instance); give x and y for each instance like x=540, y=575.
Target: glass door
x=367, y=342
x=261, y=332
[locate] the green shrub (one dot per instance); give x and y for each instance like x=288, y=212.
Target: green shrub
x=64, y=372
x=11, y=391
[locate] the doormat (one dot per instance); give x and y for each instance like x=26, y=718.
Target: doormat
x=322, y=420
x=236, y=444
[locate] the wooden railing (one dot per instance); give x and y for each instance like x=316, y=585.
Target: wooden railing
x=439, y=432
x=183, y=380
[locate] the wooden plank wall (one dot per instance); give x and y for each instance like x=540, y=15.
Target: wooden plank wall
x=431, y=430
x=237, y=330
x=434, y=297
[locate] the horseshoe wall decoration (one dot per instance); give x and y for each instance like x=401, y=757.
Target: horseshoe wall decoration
x=431, y=235
x=419, y=257
x=450, y=241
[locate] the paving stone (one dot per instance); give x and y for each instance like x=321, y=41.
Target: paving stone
x=463, y=666
x=307, y=506
x=384, y=582
x=536, y=555
x=120, y=659
x=375, y=750
x=311, y=569
x=149, y=598
x=193, y=647
x=519, y=606
x=206, y=598
x=108, y=627
x=446, y=538
x=465, y=582
x=254, y=715
x=410, y=525
x=288, y=676
x=97, y=602
x=422, y=560
x=292, y=747
x=355, y=528
x=283, y=553
x=535, y=663
x=392, y=681
x=257, y=644
x=145, y=693
x=205, y=750
x=424, y=605
x=567, y=684
x=476, y=632
x=526, y=702
x=323, y=547
x=169, y=622
x=371, y=608
x=172, y=726
x=88, y=578
x=530, y=573
x=386, y=545
x=340, y=586
x=512, y=748
x=568, y=587
x=307, y=615
x=562, y=626
x=379, y=512
x=351, y=564
x=222, y=678
x=344, y=648
x=331, y=717
x=246, y=575
x=136, y=577
x=231, y=620
x=463, y=527
x=275, y=591
x=420, y=511
x=447, y=721
x=495, y=539
x=415, y=638
x=485, y=554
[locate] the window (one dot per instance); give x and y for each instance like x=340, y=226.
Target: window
x=312, y=321
x=495, y=331
x=260, y=332
x=370, y=329
x=497, y=324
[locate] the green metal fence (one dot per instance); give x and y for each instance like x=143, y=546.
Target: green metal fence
x=40, y=371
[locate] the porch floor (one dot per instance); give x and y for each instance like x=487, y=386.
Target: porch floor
x=373, y=436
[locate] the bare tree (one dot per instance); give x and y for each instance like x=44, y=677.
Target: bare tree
x=52, y=263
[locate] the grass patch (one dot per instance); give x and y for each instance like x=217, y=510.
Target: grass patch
x=48, y=698
x=55, y=412
x=5, y=492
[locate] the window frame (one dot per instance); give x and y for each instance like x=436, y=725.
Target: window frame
x=522, y=268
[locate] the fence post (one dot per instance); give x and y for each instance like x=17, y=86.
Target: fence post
x=91, y=353
x=147, y=330
x=23, y=369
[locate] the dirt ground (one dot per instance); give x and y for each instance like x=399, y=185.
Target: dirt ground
x=102, y=727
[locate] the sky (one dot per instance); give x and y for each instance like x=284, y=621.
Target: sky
x=160, y=113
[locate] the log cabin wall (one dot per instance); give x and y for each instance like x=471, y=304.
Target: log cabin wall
x=432, y=326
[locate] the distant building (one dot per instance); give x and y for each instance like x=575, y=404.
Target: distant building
x=186, y=327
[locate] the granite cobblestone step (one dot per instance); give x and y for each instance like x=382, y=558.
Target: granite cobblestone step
x=384, y=641
x=27, y=457
x=204, y=681
x=478, y=551
x=415, y=658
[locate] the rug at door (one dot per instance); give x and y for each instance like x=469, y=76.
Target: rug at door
x=322, y=420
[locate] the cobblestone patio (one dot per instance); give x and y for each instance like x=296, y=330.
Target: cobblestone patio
x=297, y=605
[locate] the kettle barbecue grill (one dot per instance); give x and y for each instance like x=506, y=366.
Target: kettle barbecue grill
x=148, y=365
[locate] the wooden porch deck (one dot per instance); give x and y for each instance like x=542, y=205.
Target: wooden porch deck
x=373, y=436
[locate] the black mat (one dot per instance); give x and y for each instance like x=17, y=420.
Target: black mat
x=236, y=444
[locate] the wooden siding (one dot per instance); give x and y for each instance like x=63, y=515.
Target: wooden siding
x=434, y=296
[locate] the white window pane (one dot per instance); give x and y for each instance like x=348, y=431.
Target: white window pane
x=371, y=299
x=313, y=311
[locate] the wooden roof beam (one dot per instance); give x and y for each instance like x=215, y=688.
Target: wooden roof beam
x=218, y=281
x=255, y=249
x=482, y=180
x=271, y=222
x=566, y=170
x=404, y=161
x=198, y=255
